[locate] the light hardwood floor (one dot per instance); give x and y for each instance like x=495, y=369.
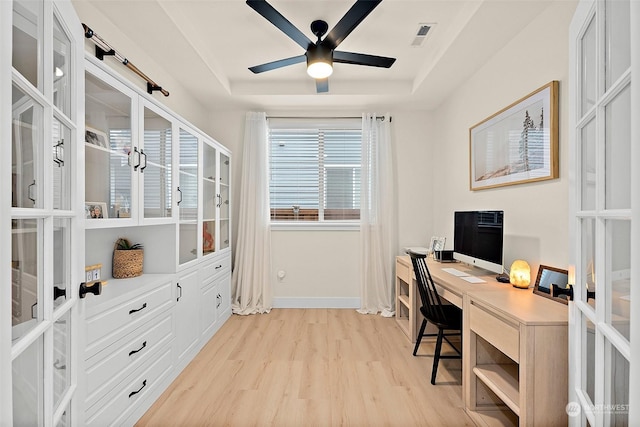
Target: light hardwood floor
x=312, y=367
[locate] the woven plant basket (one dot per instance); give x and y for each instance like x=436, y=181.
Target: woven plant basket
x=127, y=263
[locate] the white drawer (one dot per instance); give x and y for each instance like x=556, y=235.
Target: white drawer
x=104, y=328
x=120, y=401
x=214, y=269
x=118, y=360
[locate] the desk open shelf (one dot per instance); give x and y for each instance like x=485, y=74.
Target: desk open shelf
x=515, y=357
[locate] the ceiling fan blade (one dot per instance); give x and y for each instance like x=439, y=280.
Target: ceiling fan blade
x=349, y=22
x=273, y=16
x=277, y=64
x=362, y=59
x=322, y=85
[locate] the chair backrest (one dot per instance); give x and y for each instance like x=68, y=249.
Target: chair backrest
x=431, y=303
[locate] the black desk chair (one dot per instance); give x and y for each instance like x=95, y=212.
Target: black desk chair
x=444, y=317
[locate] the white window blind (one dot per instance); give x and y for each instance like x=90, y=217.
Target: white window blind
x=315, y=169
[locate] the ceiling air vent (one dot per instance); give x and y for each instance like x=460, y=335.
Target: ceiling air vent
x=421, y=35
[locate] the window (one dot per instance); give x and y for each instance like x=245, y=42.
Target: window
x=315, y=169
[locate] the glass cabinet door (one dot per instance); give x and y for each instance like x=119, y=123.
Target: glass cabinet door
x=224, y=202
x=210, y=199
x=110, y=157
x=155, y=169
x=188, y=197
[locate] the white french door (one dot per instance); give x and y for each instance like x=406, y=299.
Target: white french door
x=41, y=245
x=604, y=206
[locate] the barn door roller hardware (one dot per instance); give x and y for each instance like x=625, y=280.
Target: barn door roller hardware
x=103, y=49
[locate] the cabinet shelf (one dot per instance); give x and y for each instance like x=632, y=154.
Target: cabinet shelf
x=404, y=299
x=211, y=180
x=503, y=381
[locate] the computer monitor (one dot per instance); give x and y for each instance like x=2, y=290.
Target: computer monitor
x=478, y=237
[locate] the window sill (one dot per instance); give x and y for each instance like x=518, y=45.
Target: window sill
x=316, y=226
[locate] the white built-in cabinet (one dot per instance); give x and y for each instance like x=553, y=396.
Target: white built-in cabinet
x=128, y=155
x=66, y=194
x=157, y=180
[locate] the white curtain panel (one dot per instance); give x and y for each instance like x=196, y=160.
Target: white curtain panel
x=378, y=218
x=252, y=292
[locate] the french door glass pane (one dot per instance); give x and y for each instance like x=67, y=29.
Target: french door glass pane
x=588, y=166
x=617, y=39
x=589, y=372
x=27, y=30
x=618, y=151
x=61, y=260
x=26, y=138
x=616, y=405
x=588, y=261
x=619, y=275
x=589, y=60
x=27, y=371
x=61, y=352
x=26, y=253
x=61, y=179
x=157, y=165
x=61, y=69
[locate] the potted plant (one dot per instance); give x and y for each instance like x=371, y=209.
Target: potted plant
x=127, y=259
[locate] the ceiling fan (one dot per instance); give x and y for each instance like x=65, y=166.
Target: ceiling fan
x=321, y=55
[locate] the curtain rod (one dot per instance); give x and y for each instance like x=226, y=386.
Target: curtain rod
x=103, y=48
x=324, y=117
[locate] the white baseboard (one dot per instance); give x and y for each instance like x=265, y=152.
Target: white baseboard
x=323, y=302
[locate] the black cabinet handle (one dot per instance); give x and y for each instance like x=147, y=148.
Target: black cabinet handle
x=144, y=344
x=220, y=266
x=138, y=309
x=144, y=384
x=145, y=161
x=58, y=159
x=219, y=300
x=59, y=292
x=29, y=188
x=95, y=288
x=137, y=165
x=180, y=191
x=180, y=288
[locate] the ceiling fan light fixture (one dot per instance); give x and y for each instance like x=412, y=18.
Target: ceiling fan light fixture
x=319, y=69
x=319, y=62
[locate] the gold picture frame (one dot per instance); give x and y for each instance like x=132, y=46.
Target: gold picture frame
x=518, y=144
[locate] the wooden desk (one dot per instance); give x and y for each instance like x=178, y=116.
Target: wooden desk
x=515, y=361
x=450, y=287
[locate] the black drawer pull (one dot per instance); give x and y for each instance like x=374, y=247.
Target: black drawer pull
x=144, y=384
x=220, y=266
x=144, y=344
x=141, y=308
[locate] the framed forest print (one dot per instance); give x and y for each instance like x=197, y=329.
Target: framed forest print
x=517, y=144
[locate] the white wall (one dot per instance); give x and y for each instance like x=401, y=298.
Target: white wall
x=179, y=99
x=322, y=266
x=536, y=214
